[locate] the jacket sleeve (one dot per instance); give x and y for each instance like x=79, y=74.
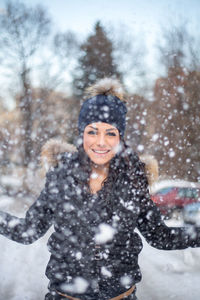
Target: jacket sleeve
x=37, y=221
x=153, y=228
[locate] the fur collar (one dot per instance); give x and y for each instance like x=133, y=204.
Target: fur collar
x=52, y=152
x=53, y=149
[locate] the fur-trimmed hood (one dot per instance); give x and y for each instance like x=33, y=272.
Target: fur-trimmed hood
x=53, y=149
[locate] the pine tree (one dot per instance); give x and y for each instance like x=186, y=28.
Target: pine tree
x=96, y=60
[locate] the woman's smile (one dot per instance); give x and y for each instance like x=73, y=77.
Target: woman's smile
x=100, y=152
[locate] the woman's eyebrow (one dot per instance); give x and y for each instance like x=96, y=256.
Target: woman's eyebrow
x=111, y=129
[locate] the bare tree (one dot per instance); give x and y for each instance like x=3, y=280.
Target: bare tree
x=23, y=30
x=173, y=118
x=56, y=66
x=174, y=124
x=178, y=48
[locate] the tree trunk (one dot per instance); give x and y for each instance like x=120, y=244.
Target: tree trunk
x=26, y=119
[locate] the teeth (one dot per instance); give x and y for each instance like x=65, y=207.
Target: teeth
x=100, y=152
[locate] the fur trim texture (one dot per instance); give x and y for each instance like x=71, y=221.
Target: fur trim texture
x=51, y=152
x=106, y=86
x=151, y=168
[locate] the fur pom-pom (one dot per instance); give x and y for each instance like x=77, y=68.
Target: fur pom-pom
x=51, y=152
x=106, y=86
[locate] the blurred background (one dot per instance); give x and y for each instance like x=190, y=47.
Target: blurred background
x=49, y=53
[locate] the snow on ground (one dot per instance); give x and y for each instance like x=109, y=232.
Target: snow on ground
x=166, y=274
x=169, y=274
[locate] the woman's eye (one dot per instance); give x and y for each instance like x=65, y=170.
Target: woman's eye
x=112, y=133
x=91, y=132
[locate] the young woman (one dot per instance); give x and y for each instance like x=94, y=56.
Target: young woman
x=96, y=198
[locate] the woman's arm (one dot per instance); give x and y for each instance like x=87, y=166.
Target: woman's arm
x=153, y=228
x=37, y=221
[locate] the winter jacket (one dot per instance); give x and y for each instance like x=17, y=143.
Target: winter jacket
x=94, y=241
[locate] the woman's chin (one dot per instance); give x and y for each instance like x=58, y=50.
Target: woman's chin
x=100, y=161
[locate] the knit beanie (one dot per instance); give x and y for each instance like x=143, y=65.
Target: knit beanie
x=105, y=104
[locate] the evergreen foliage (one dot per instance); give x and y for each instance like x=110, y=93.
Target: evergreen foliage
x=96, y=60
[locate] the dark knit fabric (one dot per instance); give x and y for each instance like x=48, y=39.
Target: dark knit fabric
x=77, y=215
x=103, y=108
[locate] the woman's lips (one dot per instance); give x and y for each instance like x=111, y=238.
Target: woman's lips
x=100, y=152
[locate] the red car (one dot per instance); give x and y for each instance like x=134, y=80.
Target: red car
x=173, y=195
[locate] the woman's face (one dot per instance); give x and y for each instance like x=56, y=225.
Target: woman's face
x=101, y=142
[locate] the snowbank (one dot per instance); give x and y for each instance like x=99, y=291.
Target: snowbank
x=169, y=274
x=22, y=270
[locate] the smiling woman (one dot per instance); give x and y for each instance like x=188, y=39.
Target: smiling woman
x=96, y=197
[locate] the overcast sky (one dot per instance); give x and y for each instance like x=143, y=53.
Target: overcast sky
x=145, y=17
x=80, y=15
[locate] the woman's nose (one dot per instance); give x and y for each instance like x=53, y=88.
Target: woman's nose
x=101, y=140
